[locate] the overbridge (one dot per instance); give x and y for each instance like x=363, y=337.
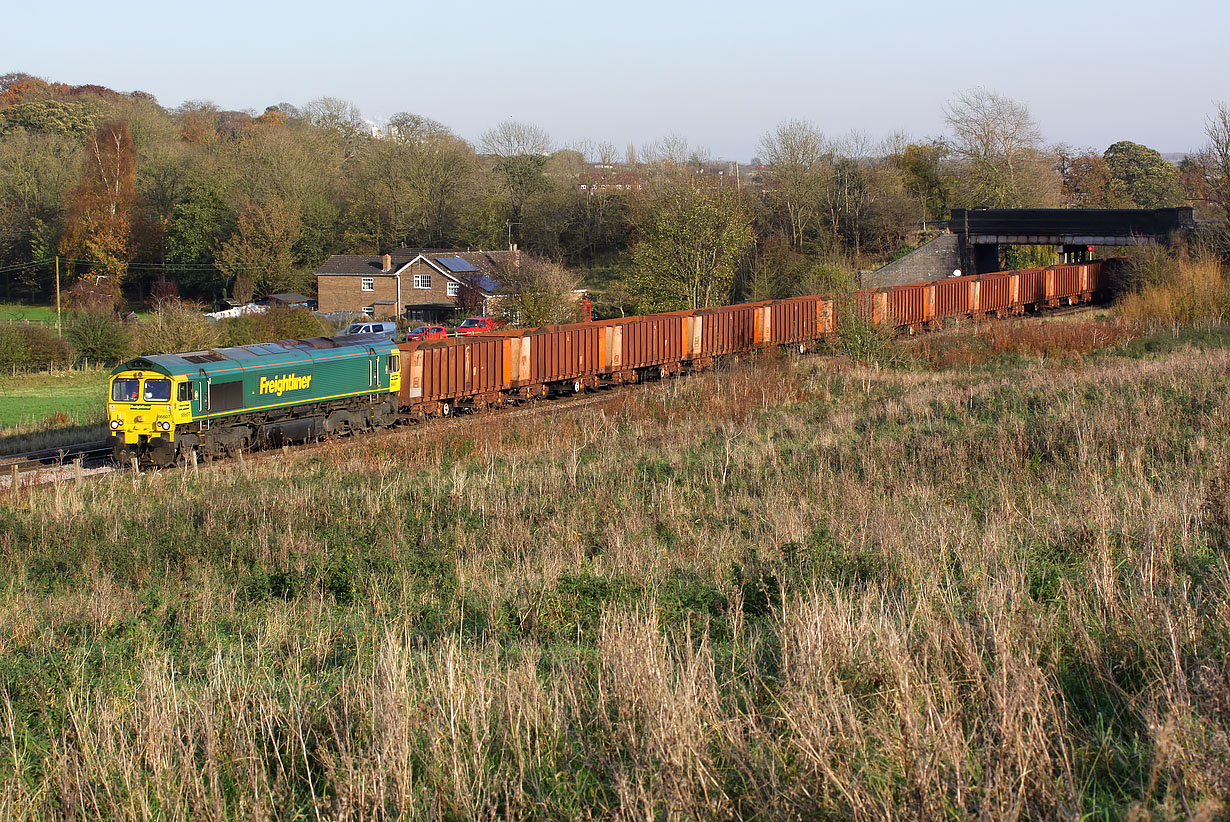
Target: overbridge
x=981, y=231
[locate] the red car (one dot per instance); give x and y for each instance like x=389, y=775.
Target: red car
x=479, y=325
x=427, y=333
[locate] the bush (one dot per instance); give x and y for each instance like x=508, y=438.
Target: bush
x=13, y=350
x=44, y=348
x=99, y=336
x=175, y=327
x=32, y=346
x=861, y=340
x=275, y=324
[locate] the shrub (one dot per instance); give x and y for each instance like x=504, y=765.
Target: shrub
x=13, y=350
x=862, y=340
x=99, y=336
x=275, y=324
x=45, y=349
x=175, y=326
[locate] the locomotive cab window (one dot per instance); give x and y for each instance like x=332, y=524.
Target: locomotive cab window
x=185, y=392
x=394, y=363
x=157, y=390
x=126, y=390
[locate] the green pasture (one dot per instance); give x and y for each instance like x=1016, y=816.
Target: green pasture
x=33, y=398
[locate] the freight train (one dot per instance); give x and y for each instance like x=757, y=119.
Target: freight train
x=213, y=403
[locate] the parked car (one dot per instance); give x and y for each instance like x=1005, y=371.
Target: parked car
x=427, y=333
x=389, y=328
x=480, y=325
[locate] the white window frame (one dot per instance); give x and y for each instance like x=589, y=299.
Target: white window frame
x=369, y=310
x=422, y=281
x=454, y=289
x=368, y=284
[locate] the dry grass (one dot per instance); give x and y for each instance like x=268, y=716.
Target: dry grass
x=796, y=589
x=1189, y=290
x=1061, y=338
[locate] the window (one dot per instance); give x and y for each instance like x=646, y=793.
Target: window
x=185, y=392
x=369, y=310
x=394, y=363
x=157, y=390
x=125, y=390
x=369, y=283
x=454, y=289
x=422, y=281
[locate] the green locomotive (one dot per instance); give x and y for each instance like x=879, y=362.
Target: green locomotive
x=165, y=407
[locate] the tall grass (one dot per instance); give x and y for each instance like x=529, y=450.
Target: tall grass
x=787, y=590
x=1173, y=292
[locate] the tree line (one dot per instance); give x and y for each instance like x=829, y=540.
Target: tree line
x=140, y=200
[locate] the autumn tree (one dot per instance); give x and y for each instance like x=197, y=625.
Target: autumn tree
x=259, y=256
x=99, y=225
x=1084, y=178
x=1141, y=178
x=998, y=146
x=693, y=238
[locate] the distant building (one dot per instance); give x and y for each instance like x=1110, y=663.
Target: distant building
x=287, y=300
x=430, y=285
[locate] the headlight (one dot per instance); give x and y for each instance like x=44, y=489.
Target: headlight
x=165, y=426
x=115, y=424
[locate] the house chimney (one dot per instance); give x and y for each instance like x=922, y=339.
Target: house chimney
x=386, y=262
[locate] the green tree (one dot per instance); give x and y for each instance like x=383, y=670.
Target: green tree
x=1141, y=178
x=201, y=220
x=260, y=254
x=924, y=177
x=693, y=238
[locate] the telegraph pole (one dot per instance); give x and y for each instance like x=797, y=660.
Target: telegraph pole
x=58, y=334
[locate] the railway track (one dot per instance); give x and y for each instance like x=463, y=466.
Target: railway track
x=49, y=464
x=91, y=459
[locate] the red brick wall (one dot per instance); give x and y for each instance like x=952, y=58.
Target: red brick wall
x=344, y=292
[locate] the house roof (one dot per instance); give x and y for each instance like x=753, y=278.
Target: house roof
x=290, y=297
x=480, y=268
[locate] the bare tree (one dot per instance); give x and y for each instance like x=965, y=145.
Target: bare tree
x=338, y=117
x=406, y=127
x=511, y=138
x=1215, y=158
x=538, y=292
x=800, y=165
x=999, y=147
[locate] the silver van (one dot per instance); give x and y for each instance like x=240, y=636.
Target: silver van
x=387, y=328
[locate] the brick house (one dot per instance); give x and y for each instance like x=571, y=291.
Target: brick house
x=419, y=284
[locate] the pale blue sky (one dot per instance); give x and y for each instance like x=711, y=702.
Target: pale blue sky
x=720, y=74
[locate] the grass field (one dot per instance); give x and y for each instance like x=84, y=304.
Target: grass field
x=993, y=586
x=17, y=312
x=50, y=408
x=65, y=396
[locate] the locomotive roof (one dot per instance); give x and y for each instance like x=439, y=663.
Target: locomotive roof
x=282, y=352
